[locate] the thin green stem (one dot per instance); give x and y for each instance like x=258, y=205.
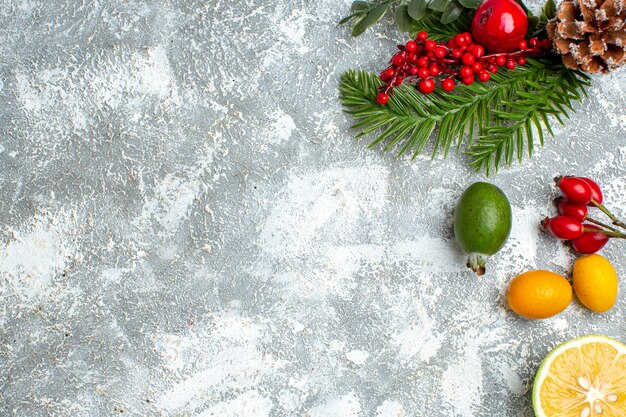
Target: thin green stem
x=605, y=232
x=610, y=215
x=599, y=223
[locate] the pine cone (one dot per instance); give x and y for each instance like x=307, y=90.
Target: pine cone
x=590, y=34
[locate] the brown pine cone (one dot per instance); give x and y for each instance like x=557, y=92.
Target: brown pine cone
x=590, y=34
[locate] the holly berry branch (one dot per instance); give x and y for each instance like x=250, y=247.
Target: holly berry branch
x=425, y=59
x=506, y=108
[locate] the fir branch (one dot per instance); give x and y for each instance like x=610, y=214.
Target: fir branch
x=548, y=91
x=503, y=111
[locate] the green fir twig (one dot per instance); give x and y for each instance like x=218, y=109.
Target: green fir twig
x=503, y=112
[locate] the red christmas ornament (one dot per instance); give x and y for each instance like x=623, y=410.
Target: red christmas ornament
x=499, y=25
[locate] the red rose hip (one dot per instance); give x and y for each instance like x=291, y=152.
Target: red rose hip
x=589, y=242
x=563, y=227
x=596, y=193
x=567, y=208
x=575, y=189
x=499, y=25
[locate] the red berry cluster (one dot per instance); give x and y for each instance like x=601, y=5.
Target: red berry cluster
x=578, y=194
x=424, y=59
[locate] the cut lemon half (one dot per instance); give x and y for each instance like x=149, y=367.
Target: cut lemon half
x=585, y=377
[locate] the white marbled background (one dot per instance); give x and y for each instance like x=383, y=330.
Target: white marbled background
x=188, y=227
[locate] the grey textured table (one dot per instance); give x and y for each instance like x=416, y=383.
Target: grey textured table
x=189, y=228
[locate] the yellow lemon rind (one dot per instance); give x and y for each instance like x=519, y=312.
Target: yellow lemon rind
x=544, y=368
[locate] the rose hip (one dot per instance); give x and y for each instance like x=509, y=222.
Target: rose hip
x=563, y=227
x=575, y=189
x=596, y=193
x=567, y=208
x=589, y=242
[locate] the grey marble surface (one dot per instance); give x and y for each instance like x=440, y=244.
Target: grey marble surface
x=188, y=227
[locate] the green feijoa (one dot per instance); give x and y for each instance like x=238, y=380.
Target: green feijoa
x=482, y=223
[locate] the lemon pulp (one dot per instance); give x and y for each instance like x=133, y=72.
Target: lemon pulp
x=585, y=377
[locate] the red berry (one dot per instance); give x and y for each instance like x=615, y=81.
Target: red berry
x=411, y=46
x=468, y=37
x=477, y=51
x=399, y=80
x=467, y=80
x=465, y=72
x=501, y=60
x=575, y=189
x=413, y=70
x=413, y=59
x=447, y=84
x=422, y=36
x=521, y=60
x=596, y=193
x=456, y=53
x=439, y=52
x=467, y=58
x=463, y=48
x=533, y=42
x=510, y=64
x=430, y=45
x=499, y=25
x=522, y=45
x=492, y=68
x=492, y=60
x=477, y=67
x=426, y=86
x=484, y=76
x=563, y=227
x=589, y=242
x=567, y=208
x=382, y=98
x=451, y=44
x=423, y=73
x=390, y=72
x=546, y=44
x=422, y=62
x=398, y=60
x=460, y=39
x=434, y=70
